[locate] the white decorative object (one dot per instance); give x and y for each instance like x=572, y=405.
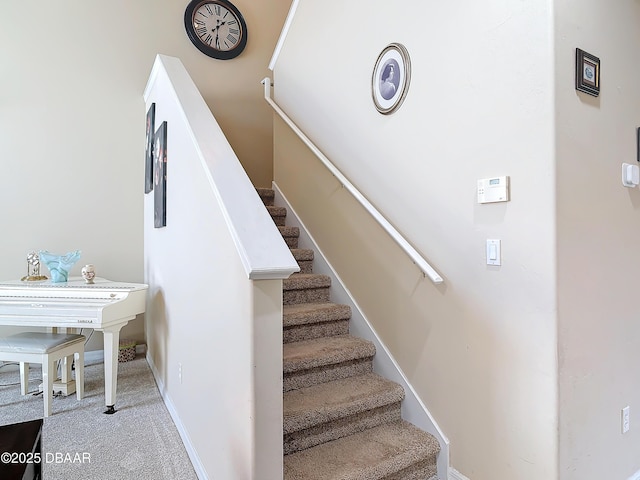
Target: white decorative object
x=88, y=273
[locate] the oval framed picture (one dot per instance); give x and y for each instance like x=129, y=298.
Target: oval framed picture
x=391, y=77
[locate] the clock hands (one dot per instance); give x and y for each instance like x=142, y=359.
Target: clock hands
x=216, y=29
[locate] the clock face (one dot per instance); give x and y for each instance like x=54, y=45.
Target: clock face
x=216, y=28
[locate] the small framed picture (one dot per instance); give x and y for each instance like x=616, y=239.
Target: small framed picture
x=160, y=177
x=390, y=79
x=148, y=154
x=587, y=73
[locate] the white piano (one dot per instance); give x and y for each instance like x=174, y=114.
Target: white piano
x=105, y=306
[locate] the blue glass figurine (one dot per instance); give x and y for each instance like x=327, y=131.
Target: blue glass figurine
x=59, y=265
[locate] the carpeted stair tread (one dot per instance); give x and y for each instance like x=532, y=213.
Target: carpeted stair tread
x=305, y=321
x=374, y=454
x=278, y=214
x=306, y=288
x=290, y=235
x=307, y=313
x=304, y=257
x=325, y=351
x=277, y=211
x=303, y=281
x=288, y=231
x=310, y=406
x=302, y=254
x=267, y=195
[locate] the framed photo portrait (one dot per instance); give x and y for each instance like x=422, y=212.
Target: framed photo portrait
x=160, y=177
x=390, y=79
x=587, y=73
x=148, y=154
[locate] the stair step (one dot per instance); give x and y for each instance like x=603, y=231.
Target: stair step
x=266, y=195
x=306, y=288
x=290, y=235
x=341, y=420
x=321, y=360
x=328, y=411
x=305, y=321
x=304, y=257
x=279, y=214
x=396, y=450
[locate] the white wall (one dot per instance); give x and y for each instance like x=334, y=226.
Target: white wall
x=598, y=229
x=480, y=350
x=72, y=123
x=214, y=332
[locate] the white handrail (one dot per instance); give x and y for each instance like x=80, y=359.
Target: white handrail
x=427, y=269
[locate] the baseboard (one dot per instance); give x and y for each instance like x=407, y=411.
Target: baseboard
x=456, y=475
x=193, y=455
x=97, y=356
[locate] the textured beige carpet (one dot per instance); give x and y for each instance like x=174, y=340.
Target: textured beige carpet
x=341, y=420
x=80, y=442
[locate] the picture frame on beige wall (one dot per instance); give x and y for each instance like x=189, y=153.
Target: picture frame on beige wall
x=587, y=73
x=391, y=77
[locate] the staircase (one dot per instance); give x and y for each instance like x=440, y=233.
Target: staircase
x=341, y=420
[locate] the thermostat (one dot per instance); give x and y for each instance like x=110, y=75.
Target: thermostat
x=492, y=190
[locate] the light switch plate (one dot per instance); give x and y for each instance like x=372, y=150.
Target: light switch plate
x=493, y=252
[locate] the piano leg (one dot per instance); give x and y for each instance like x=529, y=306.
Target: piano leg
x=65, y=384
x=111, y=346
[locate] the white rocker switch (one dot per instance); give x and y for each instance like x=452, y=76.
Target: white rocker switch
x=493, y=252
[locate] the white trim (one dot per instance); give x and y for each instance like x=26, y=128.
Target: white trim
x=456, y=475
x=413, y=409
x=283, y=34
x=396, y=236
x=195, y=459
x=260, y=246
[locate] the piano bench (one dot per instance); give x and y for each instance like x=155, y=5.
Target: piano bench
x=46, y=349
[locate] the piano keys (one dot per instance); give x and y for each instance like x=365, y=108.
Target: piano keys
x=105, y=306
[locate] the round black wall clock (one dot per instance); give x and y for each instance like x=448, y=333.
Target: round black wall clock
x=216, y=28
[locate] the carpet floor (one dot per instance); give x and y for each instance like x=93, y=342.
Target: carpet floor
x=80, y=442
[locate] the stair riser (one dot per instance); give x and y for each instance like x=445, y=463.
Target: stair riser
x=306, y=266
x=292, y=242
x=326, y=432
x=266, y=195
x=279, y=221
x=298, y=333
x=315, y=376
x=418, y=471
x=310, y=295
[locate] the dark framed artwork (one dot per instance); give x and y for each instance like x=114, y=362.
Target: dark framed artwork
x=391, y=77
x=160, y=177
x=587, y=73
x=148, y=154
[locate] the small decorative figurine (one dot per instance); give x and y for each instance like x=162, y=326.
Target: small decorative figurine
x=33, y=269
x=88, y=273
x=59, y=265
